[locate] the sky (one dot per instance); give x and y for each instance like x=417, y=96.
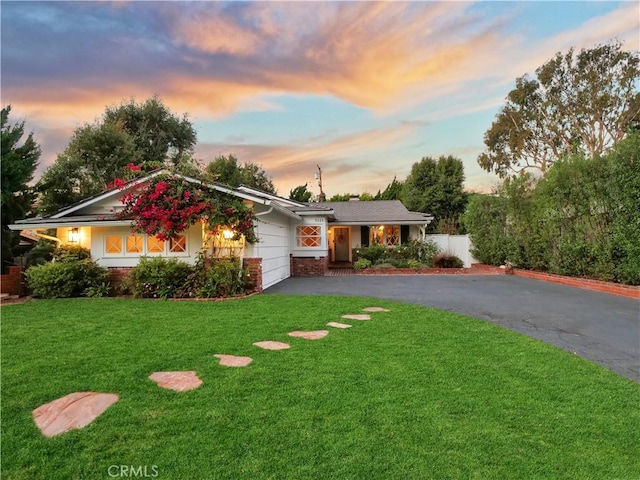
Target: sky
x=362, y=89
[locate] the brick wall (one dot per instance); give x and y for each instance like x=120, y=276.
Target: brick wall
x=117, y=277
x=254, y=270
x=309, y=266
x=11, y=282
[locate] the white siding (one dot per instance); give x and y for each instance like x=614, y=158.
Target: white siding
x=315, y=252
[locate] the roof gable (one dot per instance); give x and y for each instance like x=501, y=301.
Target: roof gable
x=109, y=201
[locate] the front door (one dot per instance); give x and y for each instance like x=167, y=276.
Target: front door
x=342, y=243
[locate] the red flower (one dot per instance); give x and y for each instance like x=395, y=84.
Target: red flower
x=132, y=167
x=116, y=183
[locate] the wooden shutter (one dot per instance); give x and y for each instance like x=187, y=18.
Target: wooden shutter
x=404, y=233
x=364, y=235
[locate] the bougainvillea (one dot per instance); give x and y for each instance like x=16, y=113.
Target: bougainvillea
x=169, y=205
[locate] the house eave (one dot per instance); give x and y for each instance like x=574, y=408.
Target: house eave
x=68, y=223
x=426, y=221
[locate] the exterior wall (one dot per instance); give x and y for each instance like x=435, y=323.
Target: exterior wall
x=309, y=266
x=322, y=250
x=10, y=282
x=458, y=245
x=310, y=261
x=84, y=237
x=274, y=233
x=97, y=234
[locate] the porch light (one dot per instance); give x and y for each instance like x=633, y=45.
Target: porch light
x=73, y=235
x=227, y=234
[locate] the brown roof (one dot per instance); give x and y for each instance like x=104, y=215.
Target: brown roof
x=374, y=212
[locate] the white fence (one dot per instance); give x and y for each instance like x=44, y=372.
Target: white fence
x=458, y=245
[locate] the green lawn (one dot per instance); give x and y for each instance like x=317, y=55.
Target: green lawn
x=415, y=393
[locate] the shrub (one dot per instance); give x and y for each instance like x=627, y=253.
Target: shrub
x=362, y=264
x=412, y=263
x=65, y=279
x=224, y=277
x=373, y=253
x=384, y=265
x=70, y=253
x=447, y=260
x=159, y=278
x=42, y=252
x=422, y=251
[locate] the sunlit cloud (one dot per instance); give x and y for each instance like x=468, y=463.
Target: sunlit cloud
x=408, y=64
x=293, y=164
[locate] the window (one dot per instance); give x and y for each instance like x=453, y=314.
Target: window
x=134, y=244
x=154, y=245
x=113, y=244
x=384, y=235
x=393, y=235
x=178, y=244
x=137, y=245
x=308, y=236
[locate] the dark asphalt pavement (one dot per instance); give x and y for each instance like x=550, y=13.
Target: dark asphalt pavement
x=600, y=327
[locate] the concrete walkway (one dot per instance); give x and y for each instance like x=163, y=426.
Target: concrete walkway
x=599, y=327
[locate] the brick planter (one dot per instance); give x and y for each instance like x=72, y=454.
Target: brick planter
x=414, y=271
x=586, y=283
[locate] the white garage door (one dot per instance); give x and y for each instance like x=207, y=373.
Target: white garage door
x=274, y=250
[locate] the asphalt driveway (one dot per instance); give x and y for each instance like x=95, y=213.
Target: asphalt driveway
x=600, y=327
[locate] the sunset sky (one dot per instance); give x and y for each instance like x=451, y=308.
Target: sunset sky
x=363, y=89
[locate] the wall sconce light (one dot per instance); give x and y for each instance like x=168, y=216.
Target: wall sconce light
x=73, y=235
x=227, y=234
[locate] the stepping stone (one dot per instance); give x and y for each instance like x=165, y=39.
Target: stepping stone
x=357, y=317
x=314, y=335
x=338, y=325
x=272, y=345
x=375, y=309
x=178, y=381
x=73, y=411
x=233, y=360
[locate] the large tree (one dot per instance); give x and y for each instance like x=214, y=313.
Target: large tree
x=581, y=103
x=300, y=194
x=146, y=134
x=393, y=191
x=436, y=187
x=161, y=138
x=226, y=170
x=19, y=162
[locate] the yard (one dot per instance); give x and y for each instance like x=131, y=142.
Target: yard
x=412, y=393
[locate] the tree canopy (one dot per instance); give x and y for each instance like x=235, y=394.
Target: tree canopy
x=393, y=191
x=300, y=194
x=581, y=103
x=226, y=170
x=146, y=134
x=436, y=187
x=160, y=137
x=19, y=162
